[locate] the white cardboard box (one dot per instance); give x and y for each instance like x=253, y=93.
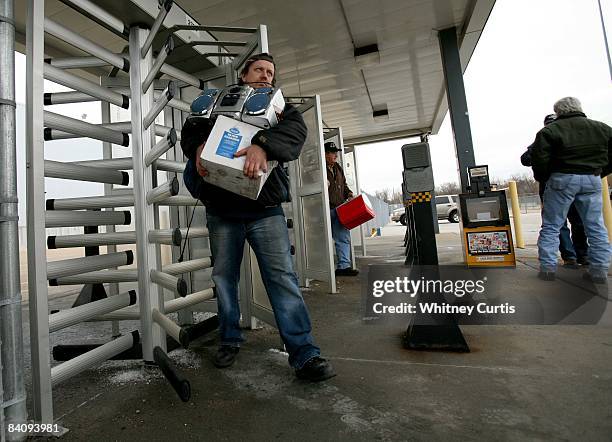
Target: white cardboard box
x=227, y=137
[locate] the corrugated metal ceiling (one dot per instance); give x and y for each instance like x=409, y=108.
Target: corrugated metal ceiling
x=313, y=43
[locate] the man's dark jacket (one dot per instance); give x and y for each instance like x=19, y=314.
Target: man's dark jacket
x=282, y=143
x=572, y=144
x=338, y=191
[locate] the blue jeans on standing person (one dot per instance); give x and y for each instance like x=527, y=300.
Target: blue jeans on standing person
x=342, y=240
x=585, y=191
x=566, y=247
x=269, y=239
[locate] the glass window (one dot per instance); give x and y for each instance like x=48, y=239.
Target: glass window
x=441, y=200
x=483, y=209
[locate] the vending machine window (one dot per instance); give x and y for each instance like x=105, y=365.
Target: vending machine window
x=489, y=209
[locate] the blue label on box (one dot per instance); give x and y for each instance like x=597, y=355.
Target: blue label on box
x=228, y=145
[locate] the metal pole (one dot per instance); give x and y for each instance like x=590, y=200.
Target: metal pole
x=107, y=154
x=605, y=36
x=516, y=216
x=37, y=261
x=607, y=210
x=457, y=103
x=12, y=392
x=147, y=253
x=364, y=251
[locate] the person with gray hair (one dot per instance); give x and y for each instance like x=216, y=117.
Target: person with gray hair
x=571, y=154
x=574, y=249
x=567, y=105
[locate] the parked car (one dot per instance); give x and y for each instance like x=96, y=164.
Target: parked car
x=399, y=216
x=446, y=207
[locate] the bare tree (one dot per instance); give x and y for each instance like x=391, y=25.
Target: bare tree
x=383, y=194
x=525, y=184
x=390, y=196
x=450, y=188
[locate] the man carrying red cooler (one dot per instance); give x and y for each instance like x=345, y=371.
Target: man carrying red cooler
x=339, y=192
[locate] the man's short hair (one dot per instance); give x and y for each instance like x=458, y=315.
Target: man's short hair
x=567, y=105
x=252, y=59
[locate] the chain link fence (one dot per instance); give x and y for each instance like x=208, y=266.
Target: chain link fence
x=529, y=202
x=381, y=210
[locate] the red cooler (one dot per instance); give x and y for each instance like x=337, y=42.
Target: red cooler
x=355, y=212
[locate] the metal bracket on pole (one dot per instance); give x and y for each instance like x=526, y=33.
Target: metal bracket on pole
x=8, y=20
x=5, y=102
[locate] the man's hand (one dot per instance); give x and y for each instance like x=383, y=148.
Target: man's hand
x=201, y=169
x=256, y=160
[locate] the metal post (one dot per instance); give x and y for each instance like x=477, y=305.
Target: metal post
x=179, y=215
x=107, y=154
x=12, y=393
x=457, y=103
x=434, y=212
x=147, y=253
x=516, y=216
x=605, y=37
x=358, y=190
x=37, y=262
x=607, y=210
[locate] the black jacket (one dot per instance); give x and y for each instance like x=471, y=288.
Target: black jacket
x=282, y=143
x=572, y=144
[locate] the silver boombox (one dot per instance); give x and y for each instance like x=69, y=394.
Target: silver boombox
x=259, y=107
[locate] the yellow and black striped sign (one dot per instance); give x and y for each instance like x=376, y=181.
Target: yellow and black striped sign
x=419, y=197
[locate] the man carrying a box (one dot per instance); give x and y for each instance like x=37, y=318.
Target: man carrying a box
x=232, y=219
x=339, y=193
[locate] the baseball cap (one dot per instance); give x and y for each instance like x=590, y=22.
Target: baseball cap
x=331, y=147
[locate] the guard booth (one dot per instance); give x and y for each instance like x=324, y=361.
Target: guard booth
x=485, y=223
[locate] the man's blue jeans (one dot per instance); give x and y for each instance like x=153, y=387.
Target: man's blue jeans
x=270, y=241
x=566, y=247
x=585, y=191
x=342, y=240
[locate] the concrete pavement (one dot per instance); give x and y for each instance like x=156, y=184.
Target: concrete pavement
x=517, y=383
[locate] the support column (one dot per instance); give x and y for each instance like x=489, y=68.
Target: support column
x=148, y=258
x=457, y=103
x=37, y=241
x=12, y=393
